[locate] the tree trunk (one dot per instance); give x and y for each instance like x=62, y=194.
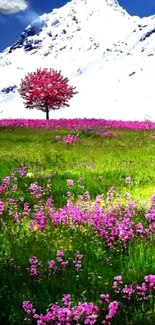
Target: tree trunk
x=47, y=113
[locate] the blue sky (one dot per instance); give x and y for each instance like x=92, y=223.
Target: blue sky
x=12, y=25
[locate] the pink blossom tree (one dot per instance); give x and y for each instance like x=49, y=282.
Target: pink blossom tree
x=46, y=90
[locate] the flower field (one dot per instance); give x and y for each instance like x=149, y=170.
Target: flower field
x=77, y=222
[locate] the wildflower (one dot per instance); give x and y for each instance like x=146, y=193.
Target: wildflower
x=70, y=182
x=118, y=278
x=67, y=300
x=14, y=187
x=60, y=253
x=54, y=174
x=128, y=180
x=2, y=205
x=52, y=265
x=128, y=290
x=81, y=187
x=33, y=265
x=77, y=261
x=105, y=298
x=22, y=171
x=150, y=279
x=113, y=306
x=33, y=260
x=28, y=307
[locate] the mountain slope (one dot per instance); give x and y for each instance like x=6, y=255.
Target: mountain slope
x=107, y=54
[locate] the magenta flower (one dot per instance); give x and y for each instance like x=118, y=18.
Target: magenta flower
x=67, y=300
x=128, y=291
x=52, y=265
x=150, y=278
x=33, y=260
x=28, y=307
x=113, y=307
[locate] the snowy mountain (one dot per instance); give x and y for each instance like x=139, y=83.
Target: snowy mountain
x=106, y=53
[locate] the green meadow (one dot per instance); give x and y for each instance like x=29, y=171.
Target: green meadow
x=103, y=163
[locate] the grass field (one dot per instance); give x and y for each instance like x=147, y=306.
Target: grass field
x=77, y=217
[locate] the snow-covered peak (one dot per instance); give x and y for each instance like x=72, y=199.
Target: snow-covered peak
x=106, y=53
x=79, y=26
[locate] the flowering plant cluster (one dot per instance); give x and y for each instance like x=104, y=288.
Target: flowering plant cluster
x=141, y=292
x=114, y=223
x=107, y=134
x=89, y=313
x=64, y=246
x=67, y=139
x=38, y=268
x=78, y=124
x=85, y=313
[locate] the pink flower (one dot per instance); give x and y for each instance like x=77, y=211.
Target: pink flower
x=14, y=188
x=113, y=306
x=118, y=278
x=52, y=265
x=128, y=180
x=33, y=260
x=58, y=137
x=60, y=253
x=150, y=278
x=70, y=182
x=105, y=298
